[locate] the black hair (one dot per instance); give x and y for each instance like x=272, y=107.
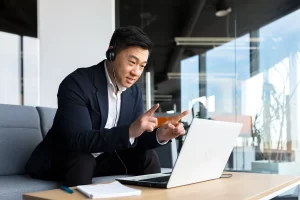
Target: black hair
x=124, y=37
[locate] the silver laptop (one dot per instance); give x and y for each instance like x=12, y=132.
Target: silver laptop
x=203, y=156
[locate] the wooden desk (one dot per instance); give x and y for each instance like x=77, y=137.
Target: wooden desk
x=239, y=186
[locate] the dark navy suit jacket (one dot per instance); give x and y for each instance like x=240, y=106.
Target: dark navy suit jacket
x=81, y=116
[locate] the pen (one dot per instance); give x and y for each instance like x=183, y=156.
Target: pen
x=66, y=189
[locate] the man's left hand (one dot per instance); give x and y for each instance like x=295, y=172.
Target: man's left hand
x=171, y=129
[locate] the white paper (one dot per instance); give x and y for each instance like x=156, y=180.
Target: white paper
x=114, y=189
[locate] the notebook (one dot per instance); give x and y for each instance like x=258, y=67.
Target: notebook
x=114, y=189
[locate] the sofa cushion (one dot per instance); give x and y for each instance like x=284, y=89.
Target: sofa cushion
x=19, y=134
x=46, y=116
x=13, y=187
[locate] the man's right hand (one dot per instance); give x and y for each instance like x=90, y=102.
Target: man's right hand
x=144, y=123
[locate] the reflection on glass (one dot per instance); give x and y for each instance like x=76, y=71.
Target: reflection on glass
x=276, y=124
x=245, y=68
x=190, y=87
x=254, y=80
x=226, y=66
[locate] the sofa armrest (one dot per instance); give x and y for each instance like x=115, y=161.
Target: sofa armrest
x=46, y=117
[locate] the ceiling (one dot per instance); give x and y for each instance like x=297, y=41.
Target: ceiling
x=167, y=19
x=163, y=20
x=19, y=17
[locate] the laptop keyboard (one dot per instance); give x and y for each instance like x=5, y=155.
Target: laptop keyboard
x=157, y=179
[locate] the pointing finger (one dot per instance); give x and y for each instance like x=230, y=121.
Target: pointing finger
x=177, y=118
x=151, y=111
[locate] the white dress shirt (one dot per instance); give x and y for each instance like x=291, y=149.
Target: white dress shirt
x=114, y=103
x=114, y=106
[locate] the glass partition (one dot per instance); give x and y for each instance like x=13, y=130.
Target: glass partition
x=241, y=67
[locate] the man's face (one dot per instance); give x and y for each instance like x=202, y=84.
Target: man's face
x=129, y=65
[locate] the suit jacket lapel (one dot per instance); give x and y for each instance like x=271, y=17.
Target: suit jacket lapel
x=127, y=104
x=100, y=83
x=127, y=98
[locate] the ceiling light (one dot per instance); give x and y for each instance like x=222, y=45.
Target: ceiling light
x=218, y=41
x=170, y=112
x=222, y=9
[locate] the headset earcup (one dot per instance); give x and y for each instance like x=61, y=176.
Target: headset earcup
x=110, y=54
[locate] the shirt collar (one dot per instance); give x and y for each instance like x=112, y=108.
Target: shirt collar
x=109, y=80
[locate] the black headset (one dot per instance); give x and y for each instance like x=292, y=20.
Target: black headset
x=111, y=53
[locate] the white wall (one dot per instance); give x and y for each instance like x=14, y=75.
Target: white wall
x=72, y=34
x=31, y=71
x=10, y=90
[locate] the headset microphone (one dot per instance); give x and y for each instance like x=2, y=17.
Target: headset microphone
x=115, y=77
x=110, y=55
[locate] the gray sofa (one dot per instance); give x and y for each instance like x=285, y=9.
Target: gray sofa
x=21, y=130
